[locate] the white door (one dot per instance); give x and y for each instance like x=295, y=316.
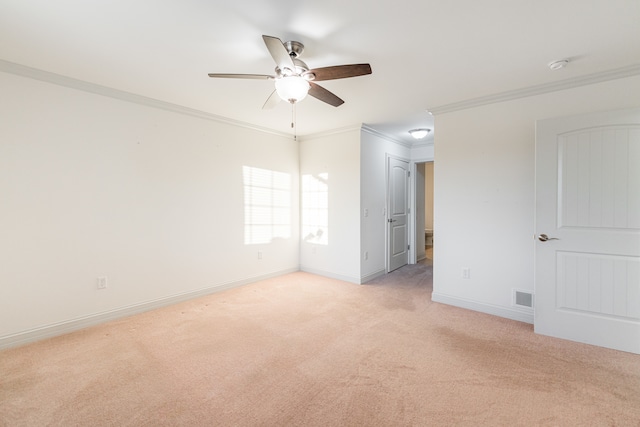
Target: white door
x=587, y=273
x=397, y=213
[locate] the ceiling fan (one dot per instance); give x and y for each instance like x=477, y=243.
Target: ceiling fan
x=293, y=78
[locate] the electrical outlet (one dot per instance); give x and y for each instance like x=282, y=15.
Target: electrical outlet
x=466, y=273
x=101, y=282
x=259, y=254
x=366, y=212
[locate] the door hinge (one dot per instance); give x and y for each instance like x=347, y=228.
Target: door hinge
x=408, y=247
x=409, y=174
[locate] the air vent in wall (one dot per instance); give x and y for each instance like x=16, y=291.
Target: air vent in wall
x=522, y=299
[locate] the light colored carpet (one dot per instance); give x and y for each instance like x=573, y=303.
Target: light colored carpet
x=303, y=350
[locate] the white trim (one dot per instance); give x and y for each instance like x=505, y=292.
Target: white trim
x=60, y=328
x=338, y=131
x=374, y=132
x=370, y=277
x=427, y=143
x=509, y=313
x=60, y=80
x=413, y=218
x=350, y=279
x=424, y=160
x=600, y=77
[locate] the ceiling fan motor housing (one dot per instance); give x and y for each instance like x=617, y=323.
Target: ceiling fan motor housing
x=294, y=48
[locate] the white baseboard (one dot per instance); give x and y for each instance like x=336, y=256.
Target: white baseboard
x=60, y=328
x=350, y=279
x=509, y=313
x=375, y=275
x=331, y=275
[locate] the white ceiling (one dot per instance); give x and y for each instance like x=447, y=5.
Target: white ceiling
x=425, y=54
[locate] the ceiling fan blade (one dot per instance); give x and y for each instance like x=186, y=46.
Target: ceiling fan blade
x=279, y=53
x=324, y=95
x=271, y=101
x=242, y=76
x=341, y=71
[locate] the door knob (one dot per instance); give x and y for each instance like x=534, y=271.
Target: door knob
x=544, y=238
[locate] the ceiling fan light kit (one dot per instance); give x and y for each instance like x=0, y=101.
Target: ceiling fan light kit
x=292, y=88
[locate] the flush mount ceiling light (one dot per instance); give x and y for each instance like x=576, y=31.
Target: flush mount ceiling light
x=419, y=133
x=557, y=65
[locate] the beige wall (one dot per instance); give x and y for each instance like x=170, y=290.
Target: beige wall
x=337, y=156
x=152, y=199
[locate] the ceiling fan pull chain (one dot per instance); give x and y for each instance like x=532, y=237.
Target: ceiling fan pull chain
x=293, y=120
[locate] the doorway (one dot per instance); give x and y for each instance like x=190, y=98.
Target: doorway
x=424, y=230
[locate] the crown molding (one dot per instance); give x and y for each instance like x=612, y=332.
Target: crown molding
x=619, y=73
x=423, y=143
x=60, y=80
x=323, y=134
x=363, y=128
x=379, y=134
